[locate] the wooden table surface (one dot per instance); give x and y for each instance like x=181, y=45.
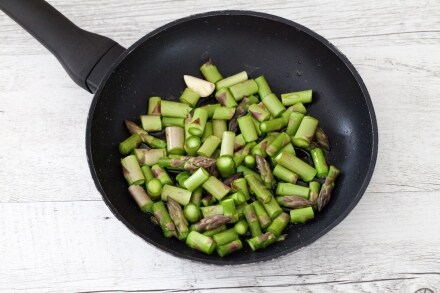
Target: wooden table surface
x=57, y=235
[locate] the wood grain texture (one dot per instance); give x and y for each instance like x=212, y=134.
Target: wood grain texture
x=58, y=236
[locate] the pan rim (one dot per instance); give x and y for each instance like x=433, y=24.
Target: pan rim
x=323, y=41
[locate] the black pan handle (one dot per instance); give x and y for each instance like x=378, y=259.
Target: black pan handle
x=84, y=55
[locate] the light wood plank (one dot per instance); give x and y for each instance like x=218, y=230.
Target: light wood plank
x=58, y=236
x=127, y=21
x=379, y=247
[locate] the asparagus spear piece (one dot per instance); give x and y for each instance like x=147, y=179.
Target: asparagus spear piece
x=285, y=174
x=216, y=188
x=217, y=230
x=231, y=80
x=229, y=210
x=240, y=111
x=179, y=220
x=253, y=99
x=239, y=142
x=252, y=220
x=319, y=162
x=259, y=112
x=240, y=209
x=171, y=121
x=146, y=170
x=314, y=192
x=277, y=144
x=296, y=165
x=141, y=197
x=226, y=166
x=240, y=185
x=265, y=171
x=192, y=212
x=258, y=188
x=181, y=178
x=189, y=97
x=208, y=200
x=175, y=140
x=327, y=187
x=225, y=98
x=298, y=107
x=209, y=146
x=286, y=115
x=322, y=138
x=161, y=174
x=200, y=242
x=263, y=87
x=225, y=237
x=149, y=157
x=272, y=125
x=228, y=181
x=250, y=161
x=243, y=89
x=212, y=210
x=154, y=106
x=294, y=122
x=292, y=189
x=208, y=131
x=279, y=224
x=238, y=197
x=288, y=148
x=218, y=127
x=174, y=109
x=180, y=195
x=261, y=241
x=210, y=72
x=196, y=196
x=240, y=155
x=211, y=222
x=197, y=179
x=294, y=201
x=192, y=145
x=163, y=218
x=247, y=128
x=132, y=171
x=272, y=208
x=198, y=122
x=227, y=145
x=273, y=105
x=223, y=113
x=261, y=147
x=241, y=227
x=246, y=171
x=128, y=145
x=257, y=126
x=154, y=188
x=289, y=99
x=262, y=216
x=229, y=248
x=145, y=137
x=151, y=123
x=305, y=132
x=301, y=215
x=187, y=163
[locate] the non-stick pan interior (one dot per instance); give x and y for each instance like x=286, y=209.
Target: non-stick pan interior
x=291, y=57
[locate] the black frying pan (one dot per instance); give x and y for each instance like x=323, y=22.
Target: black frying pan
x=291, y=56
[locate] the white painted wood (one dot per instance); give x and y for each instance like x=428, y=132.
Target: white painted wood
x=56, y=235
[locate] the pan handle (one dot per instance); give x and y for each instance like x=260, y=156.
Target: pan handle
x=84, y=55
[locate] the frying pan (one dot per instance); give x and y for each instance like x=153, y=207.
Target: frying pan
x=291, y=56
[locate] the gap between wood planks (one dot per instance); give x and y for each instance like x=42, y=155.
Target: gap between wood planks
x=335, y=282
x=385, y=34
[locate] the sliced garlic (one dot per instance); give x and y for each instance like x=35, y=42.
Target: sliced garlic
x=202, y=87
